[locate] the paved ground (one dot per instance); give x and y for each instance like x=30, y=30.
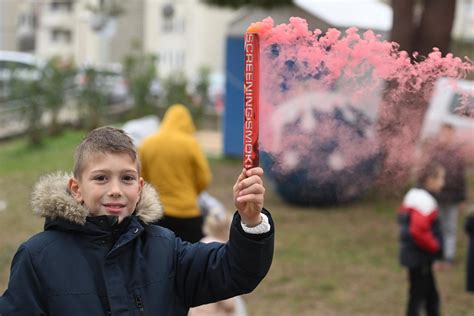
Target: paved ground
x=211, y=142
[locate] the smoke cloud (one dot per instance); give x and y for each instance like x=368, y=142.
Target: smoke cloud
x=340, y=109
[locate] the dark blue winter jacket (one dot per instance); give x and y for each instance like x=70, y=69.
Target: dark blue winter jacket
x=93, y=266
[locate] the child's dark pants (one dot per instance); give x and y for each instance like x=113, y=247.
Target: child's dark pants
x=423, y=292
x=188, y=229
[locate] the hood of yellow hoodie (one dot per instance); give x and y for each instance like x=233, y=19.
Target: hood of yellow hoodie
x=178, y=118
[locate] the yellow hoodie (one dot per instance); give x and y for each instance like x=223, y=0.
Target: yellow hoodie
x=174, y=163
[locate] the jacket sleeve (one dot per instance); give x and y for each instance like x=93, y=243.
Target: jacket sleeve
x=213, y=272
x=421, y=231
x=23, y=296
x=469, y=225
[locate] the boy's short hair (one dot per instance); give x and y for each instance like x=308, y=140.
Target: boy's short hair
x=103, y=140
x=447, y=126
x=429, y=170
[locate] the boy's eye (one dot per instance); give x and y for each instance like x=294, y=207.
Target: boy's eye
x=128, y=178
x=100, y=178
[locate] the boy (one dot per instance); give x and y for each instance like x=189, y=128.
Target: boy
x=421, y=240
x=452, y=197
x=99, y=256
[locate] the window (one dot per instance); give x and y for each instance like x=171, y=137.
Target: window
x=180, y=58
x=173, y=25
x=63, y=5
x=61, y=36
x=174, y=59
x=27, y=20
x=167, y=25
x=180, y=25
x=165, y=58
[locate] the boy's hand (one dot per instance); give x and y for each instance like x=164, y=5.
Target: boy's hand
x=248, y=195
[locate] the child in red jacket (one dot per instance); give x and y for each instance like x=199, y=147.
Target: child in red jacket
x=421, y=239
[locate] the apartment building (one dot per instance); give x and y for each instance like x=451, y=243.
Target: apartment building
x=9, y=13
x=55, y=31
x=186, y=35
x=89, y=31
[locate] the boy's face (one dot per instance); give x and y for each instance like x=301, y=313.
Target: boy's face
x=446, y=135
x=108, y=185
x=435, y=184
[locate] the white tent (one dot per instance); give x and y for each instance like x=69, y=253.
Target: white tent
x=363, y=14
x=341, y=14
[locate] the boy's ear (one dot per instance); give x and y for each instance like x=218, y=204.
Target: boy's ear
x=74, y=188
x=141, y=183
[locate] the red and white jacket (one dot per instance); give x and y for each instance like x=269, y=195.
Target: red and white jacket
x=420, y=233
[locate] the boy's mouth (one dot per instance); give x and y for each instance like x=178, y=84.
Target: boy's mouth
x=114, y=207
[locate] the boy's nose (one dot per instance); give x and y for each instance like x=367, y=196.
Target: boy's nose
x=115, y=189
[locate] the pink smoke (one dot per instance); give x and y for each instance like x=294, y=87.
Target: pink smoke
x=304, y=71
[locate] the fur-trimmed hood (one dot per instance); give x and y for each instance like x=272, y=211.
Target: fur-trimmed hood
x=51, y=199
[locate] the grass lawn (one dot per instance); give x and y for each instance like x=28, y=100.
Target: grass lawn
x=337, y=261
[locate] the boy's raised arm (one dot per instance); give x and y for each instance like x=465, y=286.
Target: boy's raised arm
x=211, y=272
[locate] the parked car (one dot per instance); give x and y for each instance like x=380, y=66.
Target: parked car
x=19, y=65
x=109, y=78
x=452, y=103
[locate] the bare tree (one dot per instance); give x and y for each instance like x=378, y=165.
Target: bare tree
x=251, y=3
x=421, y=30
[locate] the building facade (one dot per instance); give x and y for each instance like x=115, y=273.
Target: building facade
x=186, y=35
x=55, y=32
x=89, y=31
x=9, y=15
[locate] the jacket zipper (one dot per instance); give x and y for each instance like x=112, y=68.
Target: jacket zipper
x=139, y=304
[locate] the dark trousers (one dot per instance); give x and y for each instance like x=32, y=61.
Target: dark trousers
x=189, y=229
x=422, y=292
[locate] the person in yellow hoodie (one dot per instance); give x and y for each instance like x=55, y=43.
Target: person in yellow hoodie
x=174, y=163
